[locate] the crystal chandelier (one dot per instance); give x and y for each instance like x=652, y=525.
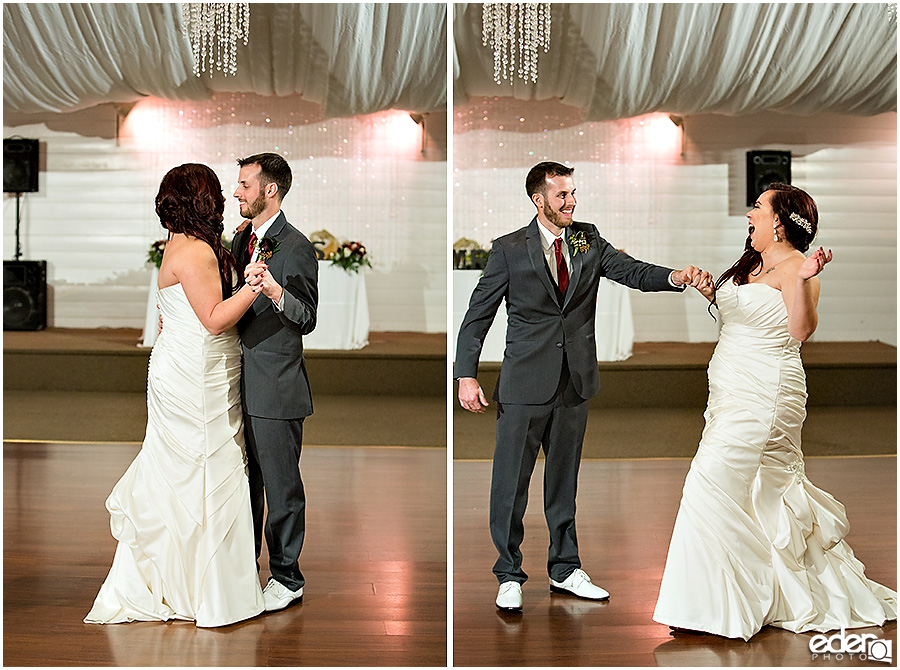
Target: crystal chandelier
x=214, y=29
x=515, y=31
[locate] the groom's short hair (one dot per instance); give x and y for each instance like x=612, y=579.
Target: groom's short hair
x=272, y=168
x=536, y=181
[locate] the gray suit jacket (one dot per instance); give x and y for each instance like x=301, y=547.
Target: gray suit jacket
x=542, y=325
x=274, y=383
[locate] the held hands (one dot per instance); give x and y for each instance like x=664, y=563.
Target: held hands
x=814, y=264
x=693, y=276
x=253, y=275
x=689, y=276
x=699, y=279
x=260, y=280
x=471, y=397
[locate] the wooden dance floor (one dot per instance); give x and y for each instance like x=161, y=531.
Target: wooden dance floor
x=375, y=564
x=626, y=510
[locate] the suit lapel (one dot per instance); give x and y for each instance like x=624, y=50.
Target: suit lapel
x=536, y=254
x=577, y=261
x=277, y=226
x=239, y=245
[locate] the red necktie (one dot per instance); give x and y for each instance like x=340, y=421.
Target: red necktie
x=251, y=246
x=562, y=272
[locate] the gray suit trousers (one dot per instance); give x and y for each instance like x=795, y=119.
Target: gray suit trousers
x=522, y=430
x=273, y=460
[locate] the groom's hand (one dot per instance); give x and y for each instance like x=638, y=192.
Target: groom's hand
x=271, y=288
x=471, y=397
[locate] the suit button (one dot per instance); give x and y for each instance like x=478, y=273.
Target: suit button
x=559, y=345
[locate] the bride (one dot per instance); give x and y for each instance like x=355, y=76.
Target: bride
x=181, y=512
x=755, y=543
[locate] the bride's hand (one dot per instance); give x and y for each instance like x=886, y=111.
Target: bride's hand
x=706, y=286
x=814, y=264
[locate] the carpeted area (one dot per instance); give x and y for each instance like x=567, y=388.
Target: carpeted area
x=675, y=432
x=89, y=385
x=79, y=416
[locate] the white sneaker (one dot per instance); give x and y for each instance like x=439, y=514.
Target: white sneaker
x=277, y=596
x=579, y=584
x=510, y=596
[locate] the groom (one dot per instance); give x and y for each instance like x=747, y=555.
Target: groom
x=274, y=386
x=548, y=273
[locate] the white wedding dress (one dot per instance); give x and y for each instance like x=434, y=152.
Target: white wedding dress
x=755, y=543
x=181, y=512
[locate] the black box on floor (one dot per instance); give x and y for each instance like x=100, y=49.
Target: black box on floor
x=24, y=295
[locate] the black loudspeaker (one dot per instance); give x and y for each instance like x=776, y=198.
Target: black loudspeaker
x=24, y=295
x=764, y=168
x=20, y=165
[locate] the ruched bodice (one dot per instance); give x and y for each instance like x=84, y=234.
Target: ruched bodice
x=755, y=542
x=183, y=329
x=754, y=317
x=181, y=512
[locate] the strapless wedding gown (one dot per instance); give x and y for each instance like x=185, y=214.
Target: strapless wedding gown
x=181, y=512
x=755, y=543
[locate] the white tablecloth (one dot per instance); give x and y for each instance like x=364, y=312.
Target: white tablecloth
x=343, y=316
x=614, y=324
x=342, y=319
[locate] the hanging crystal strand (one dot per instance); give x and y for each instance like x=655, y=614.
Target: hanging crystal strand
x=214, y=29
x=515, y=27
x=530, y=35
x=504, y=33
x=515, y=32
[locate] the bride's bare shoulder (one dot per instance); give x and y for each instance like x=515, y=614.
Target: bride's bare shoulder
x=188, y=248
x=185, y=259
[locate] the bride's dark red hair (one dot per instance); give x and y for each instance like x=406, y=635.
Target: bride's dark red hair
x=190, y=201
x=786, y=200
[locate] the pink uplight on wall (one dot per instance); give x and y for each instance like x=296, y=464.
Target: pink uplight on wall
x=397, y=133
x=662, y=136
x=146, y=126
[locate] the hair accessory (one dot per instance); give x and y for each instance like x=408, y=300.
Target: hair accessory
x=800, y=221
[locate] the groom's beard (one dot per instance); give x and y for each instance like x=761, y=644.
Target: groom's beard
x=553, y=217
x=253, y=209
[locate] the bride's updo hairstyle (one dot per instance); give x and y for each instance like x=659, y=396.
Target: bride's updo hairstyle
x=190, y=201
x=799, y=218
x=797, y=212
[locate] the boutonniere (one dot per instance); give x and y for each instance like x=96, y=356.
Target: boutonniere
x=578, y=243
x=266, y=248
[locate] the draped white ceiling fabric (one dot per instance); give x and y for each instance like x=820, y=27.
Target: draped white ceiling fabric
x=352, y=59
x=623, y=60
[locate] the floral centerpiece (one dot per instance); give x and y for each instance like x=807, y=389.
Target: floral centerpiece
x=351, y=256
x=155, y=254
x=469, y=255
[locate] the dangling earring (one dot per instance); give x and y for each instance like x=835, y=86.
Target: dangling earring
x=775, y=231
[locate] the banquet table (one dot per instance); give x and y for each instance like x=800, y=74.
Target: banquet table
x=614, y=325
x=342, y=320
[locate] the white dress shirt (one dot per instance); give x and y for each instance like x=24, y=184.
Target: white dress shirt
x=261, y=233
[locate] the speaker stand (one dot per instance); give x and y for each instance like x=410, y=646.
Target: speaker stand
x=18, y=221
